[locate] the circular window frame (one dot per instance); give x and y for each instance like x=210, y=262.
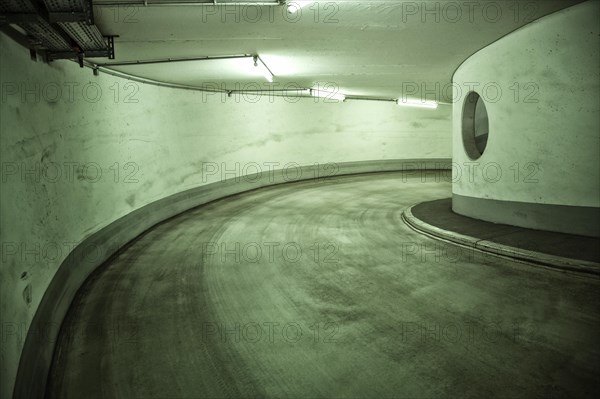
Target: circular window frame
x=468, y=125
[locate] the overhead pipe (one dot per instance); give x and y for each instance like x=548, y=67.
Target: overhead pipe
x=96, y=68
x=167, y=3
x=167, y=60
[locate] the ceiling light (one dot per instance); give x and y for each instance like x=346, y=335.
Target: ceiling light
x=295, y=5
x=329, y=95
x=262, y=68
x=407, y=102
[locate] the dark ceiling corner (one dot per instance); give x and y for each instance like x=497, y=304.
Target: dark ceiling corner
x=55, y=29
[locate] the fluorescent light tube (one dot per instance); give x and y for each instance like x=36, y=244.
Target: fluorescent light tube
x=408, y=102
x=329, y=95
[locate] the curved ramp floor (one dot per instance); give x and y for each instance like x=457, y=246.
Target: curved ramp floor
x=219, y=302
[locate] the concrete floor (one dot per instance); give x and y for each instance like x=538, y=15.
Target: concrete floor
x=383, y=311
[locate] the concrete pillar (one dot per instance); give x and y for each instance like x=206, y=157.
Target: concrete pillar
x=540, y=167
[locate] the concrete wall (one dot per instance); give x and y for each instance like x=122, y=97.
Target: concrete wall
x=74, y=162
x=540, y=85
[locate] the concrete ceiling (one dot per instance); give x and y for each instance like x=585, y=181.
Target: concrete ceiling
x=364, y=47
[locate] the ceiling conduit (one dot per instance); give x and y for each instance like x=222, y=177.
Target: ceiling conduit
x=56, y=29
x=112, y=3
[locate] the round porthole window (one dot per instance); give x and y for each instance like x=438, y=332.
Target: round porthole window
x=475, y=125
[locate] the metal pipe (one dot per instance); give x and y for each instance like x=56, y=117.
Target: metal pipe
x=295, y=89
x=119, y=74
x=167, y=60
x=365, y=98
x=274, y=92
x=166, y=3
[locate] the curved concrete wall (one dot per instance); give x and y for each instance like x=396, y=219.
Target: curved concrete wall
x=541, y=167
x=90, y=162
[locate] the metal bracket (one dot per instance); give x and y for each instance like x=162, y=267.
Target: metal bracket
x=111, y=47
x=108, y=52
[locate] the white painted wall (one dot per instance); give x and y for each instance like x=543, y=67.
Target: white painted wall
x=550, y=127
x=166, y=136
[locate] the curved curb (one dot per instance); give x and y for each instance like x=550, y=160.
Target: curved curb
x=487, y=246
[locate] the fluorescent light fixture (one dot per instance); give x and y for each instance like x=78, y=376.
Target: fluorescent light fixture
x=409, y=102
x=293, y=6
x=262, y=68
x=329, y=95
